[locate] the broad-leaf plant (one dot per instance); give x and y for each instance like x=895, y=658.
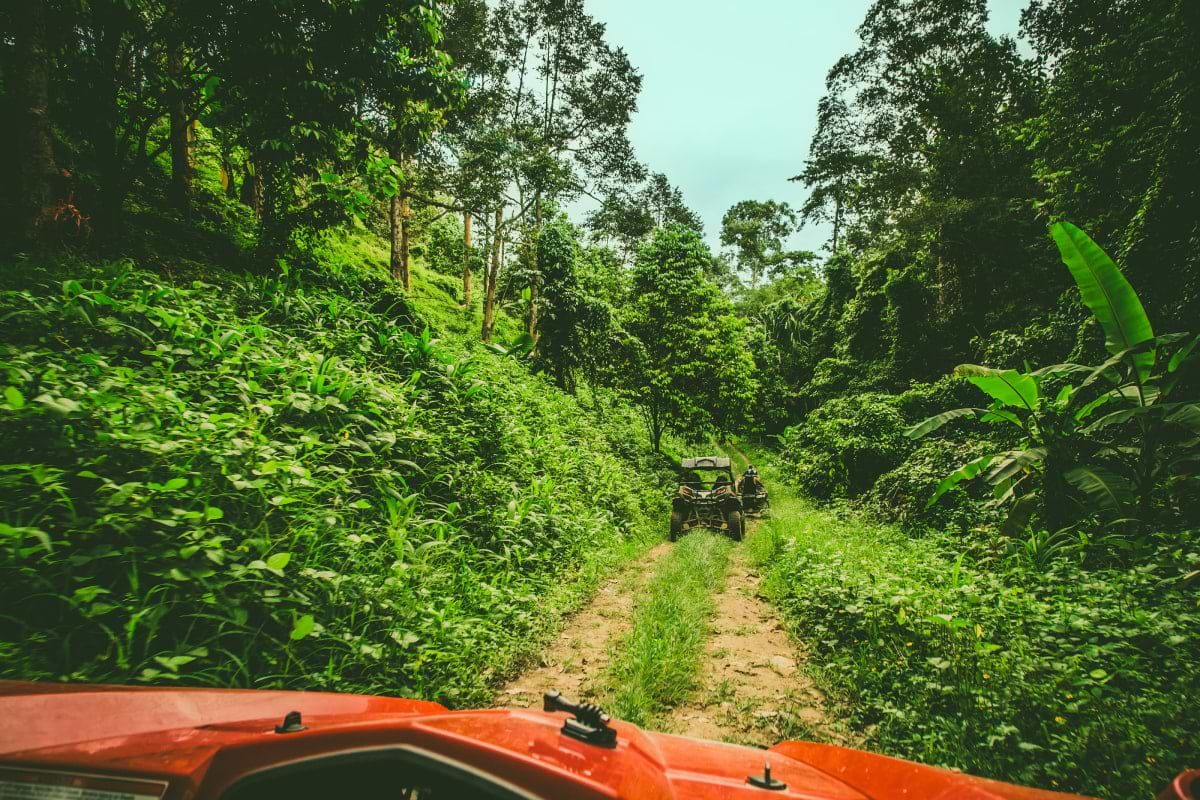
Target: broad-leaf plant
x=1093, y=440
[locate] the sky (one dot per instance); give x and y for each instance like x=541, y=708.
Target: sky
x=730, y=90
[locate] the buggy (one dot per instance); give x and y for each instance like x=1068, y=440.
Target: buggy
x=699, y=503
x=755, y=501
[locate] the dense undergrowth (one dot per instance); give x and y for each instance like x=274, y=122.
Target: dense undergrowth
x=1036, y=672
x=287, y=482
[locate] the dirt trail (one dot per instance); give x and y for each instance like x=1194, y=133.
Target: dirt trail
x=753, y=689
x=574, y=661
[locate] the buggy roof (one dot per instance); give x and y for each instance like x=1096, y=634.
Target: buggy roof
x=706, y=462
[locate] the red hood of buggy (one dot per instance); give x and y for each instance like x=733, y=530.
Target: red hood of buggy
x=198, y=742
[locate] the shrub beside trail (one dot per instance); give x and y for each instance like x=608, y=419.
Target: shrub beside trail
x=1025, y=669
x=254, y=482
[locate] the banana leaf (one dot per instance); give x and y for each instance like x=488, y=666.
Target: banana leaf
x=1013, y=462
x=1102, y=488
x=1006, y=385
x=964, y=473
x=931, y=424
x=1107, y=293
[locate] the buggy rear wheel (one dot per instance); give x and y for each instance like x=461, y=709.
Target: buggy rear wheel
x=676, y=525
x=735, y=525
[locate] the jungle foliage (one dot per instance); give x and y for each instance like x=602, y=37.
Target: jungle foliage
x=271, y=482
x=250, y=436
x=308, y=380
x=974, y=379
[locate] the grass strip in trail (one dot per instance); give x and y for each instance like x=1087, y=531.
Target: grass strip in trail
x=655, y=666
x=572, y=653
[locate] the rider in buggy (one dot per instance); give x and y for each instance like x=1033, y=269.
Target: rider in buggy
x=752, y=491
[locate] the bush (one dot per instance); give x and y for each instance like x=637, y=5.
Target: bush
x=902, y=494
x=840, y=449
x=922, y=400
x=262, y=483
x=1063, y=678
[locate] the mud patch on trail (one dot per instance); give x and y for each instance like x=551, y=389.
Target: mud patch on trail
x=575, y=661
x=753, y=687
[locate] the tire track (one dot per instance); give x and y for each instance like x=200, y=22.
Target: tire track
x=753, y=687
x=573, y=663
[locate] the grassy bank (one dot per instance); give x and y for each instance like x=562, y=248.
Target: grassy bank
x=284, y=482
x=654, y=668
x=1060, y=678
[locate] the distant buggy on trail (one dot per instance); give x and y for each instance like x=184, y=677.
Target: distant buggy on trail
x=754, y=495
x=707, y=498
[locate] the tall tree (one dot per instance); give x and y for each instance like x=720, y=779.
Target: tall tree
x=35, y=162
x=688, y=364
x=756, y=231
x=834, y=169
x=326, y=72
x=629, y=215
x=917, y=154
x=1117, y=138
x=572, y=99
x=562, y=303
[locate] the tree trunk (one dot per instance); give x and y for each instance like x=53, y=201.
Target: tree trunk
x=181, y=163
x=228, y=181
x=492, y=278
x=533, y=309
x=394, y=213
x=837, y=220
x=35, y=159
x=467, y=259
x=534, y=275
x=275, y=229
x=105, y=139
x=398, y=223
x=252, y=189
x=405, y=218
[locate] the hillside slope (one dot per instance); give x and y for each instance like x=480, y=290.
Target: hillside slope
x=287, y=481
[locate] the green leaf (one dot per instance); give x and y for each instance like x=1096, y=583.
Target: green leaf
x=1182, y=355
x=1107, y=293
x=1186, y=415
x=1008, y=386
x=278, y=561
x=302, y=627
x=1117, y=417
x=964, y=473
x=62, y=406
x=1087, y=410
x=1019, y=515
x=1059, y=370
x=173, y=663
x=938, y=420
x=995, y=414
x=18, y=533
x=1102, y=487
x=1014, y=461
x=174, y=484
x=14, y=398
